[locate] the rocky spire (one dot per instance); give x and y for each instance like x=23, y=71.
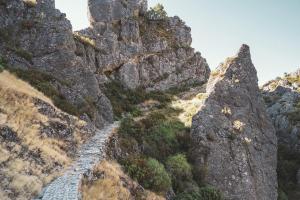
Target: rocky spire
x=235, y=143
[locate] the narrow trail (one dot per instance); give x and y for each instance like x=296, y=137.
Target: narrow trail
x=67, y=186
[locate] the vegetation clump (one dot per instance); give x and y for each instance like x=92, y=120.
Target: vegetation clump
x=157, y=13
x=84, y=39
x=30, y=3
x=204, y=193
x=155, y=145
x=124, y=100
x=287, y=168
x=44, y=83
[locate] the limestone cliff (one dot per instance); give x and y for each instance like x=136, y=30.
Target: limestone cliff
x=122, y=44
x=235, y=143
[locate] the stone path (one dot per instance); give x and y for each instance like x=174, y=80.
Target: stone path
x=67, y=186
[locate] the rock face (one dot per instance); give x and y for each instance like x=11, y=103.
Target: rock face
x=110, y=10
x=282, y=97
x=121, y=44
x=127, y=46
x=235, y=143
x=39, y=37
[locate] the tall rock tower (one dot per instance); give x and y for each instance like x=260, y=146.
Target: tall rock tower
x=235, y=143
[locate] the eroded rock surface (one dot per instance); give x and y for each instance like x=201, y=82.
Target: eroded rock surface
x=282, y=98
x=39, y=37
x=235, y=143
x=121, y=44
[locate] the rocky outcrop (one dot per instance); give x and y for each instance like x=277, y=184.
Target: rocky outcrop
x=113, y=10
x=37, y=36
x=234, y=141
x=121, y=44
x=282, y=97
x=124, y=44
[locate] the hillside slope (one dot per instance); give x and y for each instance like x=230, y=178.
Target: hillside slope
x=37, y=140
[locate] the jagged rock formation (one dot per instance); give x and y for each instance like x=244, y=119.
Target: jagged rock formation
x=114, y=10
x=235, y=143
x=121, y=44
x=126, y=45
x=282, y=98
x=37, y=36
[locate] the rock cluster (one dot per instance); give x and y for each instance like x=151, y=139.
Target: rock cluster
x=282, y=98
x=121, y=44
x=234, y=141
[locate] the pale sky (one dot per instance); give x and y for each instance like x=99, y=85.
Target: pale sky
x=219, y=27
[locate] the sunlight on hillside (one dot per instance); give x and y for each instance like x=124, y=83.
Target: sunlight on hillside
x=113, y=185
x=31, y=159
x=189, y=108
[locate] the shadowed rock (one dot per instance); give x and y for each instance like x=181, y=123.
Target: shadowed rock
x=234, y=141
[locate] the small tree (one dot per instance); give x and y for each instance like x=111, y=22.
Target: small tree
x=157, y=13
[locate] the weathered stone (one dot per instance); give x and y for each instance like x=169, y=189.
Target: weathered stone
x=241, y=160
x=41, y=38
x=282, y=98
x=111, y=10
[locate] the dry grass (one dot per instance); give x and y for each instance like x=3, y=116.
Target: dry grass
x=238, y=125
x=9, y=81
x=30, y=160
x=189, y=108
x=84, y=39
x=113, y=185
x=30, y=3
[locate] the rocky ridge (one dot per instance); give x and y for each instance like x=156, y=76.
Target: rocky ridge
x=235, y=142
x=121, y=44
x=282, y=98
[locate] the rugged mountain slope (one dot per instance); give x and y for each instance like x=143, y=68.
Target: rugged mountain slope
x=235, y=143
x=282, y=98
x=123, y=43
x=36, y=36
x=108, y=181
x=37, y=140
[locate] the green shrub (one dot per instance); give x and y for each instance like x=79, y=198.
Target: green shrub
x=282, y=195
x=24, y=54
x=125, y=100
x=179, y=167
x=287, y=166
x=181, y=172
x=44, y=83
x=159, y=179
x=157, y=13
x=166, y=133
x=149, y=173
x=205, y=193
